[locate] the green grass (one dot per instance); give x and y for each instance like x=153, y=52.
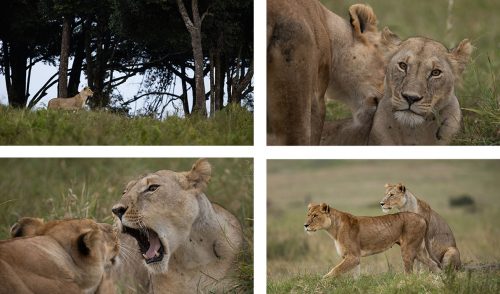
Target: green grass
x=461, y=282
x=476, y=20
x=232, y=126
x=88, y=188
x=297, y=260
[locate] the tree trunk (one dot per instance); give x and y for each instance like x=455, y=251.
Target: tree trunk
x=194, y=29
x=62, y=88
x=212, y=81
x=88, y=54
x=18, y=57
x=76, y=68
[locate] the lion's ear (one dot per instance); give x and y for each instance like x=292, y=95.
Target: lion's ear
x=325, y=208
x=386, y=185
x=362, y=19
x=200, y=174
x=389, y=38
x=460, y=56
x=401, y=188
x=309, y=206
x=87, y=242
x=26, y=226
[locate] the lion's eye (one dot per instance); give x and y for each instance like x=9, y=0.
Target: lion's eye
x=403, y=66
x=435, y=72
x=391, y=194
x=152, y=188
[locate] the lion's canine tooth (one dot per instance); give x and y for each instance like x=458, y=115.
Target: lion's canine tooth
x=145, y=256
x=157, y=254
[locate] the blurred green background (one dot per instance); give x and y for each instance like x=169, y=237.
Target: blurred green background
x=88, y=187
x=357, y=186
x=479, y=21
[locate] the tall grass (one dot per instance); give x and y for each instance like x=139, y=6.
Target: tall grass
x=476, y=20
x=68, y=188
x=232, y=126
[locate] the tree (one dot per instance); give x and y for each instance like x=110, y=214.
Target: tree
x=194, y=28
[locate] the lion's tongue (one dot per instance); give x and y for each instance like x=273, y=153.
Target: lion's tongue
x=154, y=245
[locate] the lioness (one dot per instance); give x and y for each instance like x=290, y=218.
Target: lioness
x=188, y=243
x=73, y=103
x=441, y=238
x=357, y=236
x=68, y=256
x=126, y=272
x=419, y=106
x=312, y=52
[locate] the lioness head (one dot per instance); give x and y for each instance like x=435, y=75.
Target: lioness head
x=158, y=210
x=89, y=242
x=421, y=76
x=318, y=217
x=87, y=91
x=395, y=196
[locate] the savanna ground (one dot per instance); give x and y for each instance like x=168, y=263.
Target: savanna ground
x=478, y=21
x=231, y=126
x=88, y=188
x=297, y=261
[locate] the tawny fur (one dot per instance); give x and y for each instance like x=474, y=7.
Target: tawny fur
x=68, y=256
x=127, y=273
x=443, y=245
x=357, y=236
x=424, y=69
x=73, y=103
x=313, y=53
x=201, y=239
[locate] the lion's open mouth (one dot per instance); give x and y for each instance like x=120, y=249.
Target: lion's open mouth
x=150, y=244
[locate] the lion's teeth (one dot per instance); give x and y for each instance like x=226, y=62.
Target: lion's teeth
x=157, y=254
x=145, y=256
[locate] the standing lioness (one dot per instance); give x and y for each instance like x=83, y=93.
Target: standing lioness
x=73, y=103
x=312, y=52
x=357, y=236
x=443, y=245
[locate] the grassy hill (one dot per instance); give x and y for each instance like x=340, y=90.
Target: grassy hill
x=478, y=21
x=232, y=126
x=297, y=261
x=88, y=188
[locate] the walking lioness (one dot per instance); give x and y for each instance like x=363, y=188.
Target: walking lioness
x=357, y=236
x=443, y=245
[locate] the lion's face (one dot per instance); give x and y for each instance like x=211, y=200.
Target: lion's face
x=395, y=197
x=159, y=209
x=87, y=91
x=318, y=217
x=420, y=79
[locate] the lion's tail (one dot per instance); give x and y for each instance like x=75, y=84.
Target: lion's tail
x=428, y=246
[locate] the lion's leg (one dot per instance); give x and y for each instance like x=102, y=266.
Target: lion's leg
x=423, y=257
x=349, y=262
x=451, y=258
x=292, y=71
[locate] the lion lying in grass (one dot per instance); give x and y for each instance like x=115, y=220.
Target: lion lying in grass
x=187, y=243
x=126, y=273
x=357, y=236
x=74, y=103
x=67, y=256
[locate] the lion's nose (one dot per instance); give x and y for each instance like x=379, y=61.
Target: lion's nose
x=411, y=97
x=306, y=225
x=382, y=203
x=119, y=210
